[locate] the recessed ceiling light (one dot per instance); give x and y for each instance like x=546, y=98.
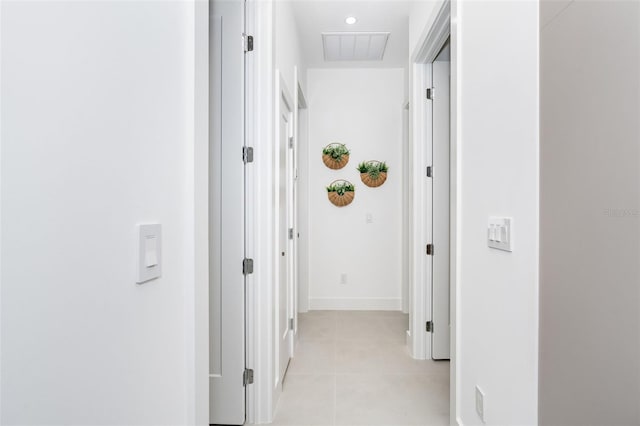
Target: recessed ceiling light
x=350, y=20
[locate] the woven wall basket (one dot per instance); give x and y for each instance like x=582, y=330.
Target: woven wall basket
x=341, y=200
x=375, y=180
x=333, y=163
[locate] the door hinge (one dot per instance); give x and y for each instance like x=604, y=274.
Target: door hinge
x=247, y=377
x=430, y=326
x=247, y=154
x=291, y=233
x=430, y=93
x=291, y=324
x=247, y=266
x=248, y=42
x=429, y=171
x=291, y=142
x=430, y=249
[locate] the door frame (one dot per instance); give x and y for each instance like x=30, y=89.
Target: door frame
x=259, y=233
x=435, y=224
x=260, y=91
x=440, y=28
x=283, y=94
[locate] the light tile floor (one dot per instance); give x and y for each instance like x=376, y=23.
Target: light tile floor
x=353, y=368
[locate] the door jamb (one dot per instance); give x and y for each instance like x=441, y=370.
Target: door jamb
x=440, y=27
x=282, y=93
x=260, y=233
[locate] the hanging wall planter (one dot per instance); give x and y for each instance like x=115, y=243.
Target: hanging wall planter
x=373, y=173
x=335, y=155
x=341, y=192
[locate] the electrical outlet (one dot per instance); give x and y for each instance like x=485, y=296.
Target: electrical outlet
x=369, y=218
x=343, y=278
x=480, y=403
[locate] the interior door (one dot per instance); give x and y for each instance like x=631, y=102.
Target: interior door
x=440, y=335
x=226, y=213
x=285, y=298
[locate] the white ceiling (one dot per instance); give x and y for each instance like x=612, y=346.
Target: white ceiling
x=313, y=17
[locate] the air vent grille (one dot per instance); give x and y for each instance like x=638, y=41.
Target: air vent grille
x=354, y=46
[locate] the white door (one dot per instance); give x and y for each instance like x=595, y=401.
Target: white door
x=440, y=178
x=285, y=231
x=226, y=214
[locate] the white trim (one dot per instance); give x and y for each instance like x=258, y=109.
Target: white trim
x=283, y=95
x=197, y=297
x=436, y=32
x=455, y=214
x=426, y=50
x=302, y=144
x=356, y=304
x=420, y=307
x=441, y=25
x=297, y=94
x=260, y=233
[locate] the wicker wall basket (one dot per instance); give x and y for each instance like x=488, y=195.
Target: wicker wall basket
x=373, y=179
x=333, y=162
x=344, y=195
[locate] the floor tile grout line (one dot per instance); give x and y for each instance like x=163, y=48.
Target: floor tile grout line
x=335, y=398
x=335, y=369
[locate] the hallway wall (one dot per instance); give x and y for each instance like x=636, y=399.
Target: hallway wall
x=97, y=116
x=497, y=48
x=363, y=109
x=288, y=53
x=589, y=213
x=495, y=70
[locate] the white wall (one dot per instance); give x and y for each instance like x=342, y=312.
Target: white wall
x=495, y=97
x=97, y=113
x=363, y=109
x=589, y=227
x=287, y=44
x=420, y=13
x=498, y=142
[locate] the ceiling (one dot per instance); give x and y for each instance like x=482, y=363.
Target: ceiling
x=313, y=17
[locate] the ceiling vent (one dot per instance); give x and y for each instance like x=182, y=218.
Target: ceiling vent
x=354, y=46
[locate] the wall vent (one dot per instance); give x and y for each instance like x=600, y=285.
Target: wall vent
x=354, y=46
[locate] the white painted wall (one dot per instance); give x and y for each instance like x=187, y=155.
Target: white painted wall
x=420, y=12
x=97, y=121
x=495, y=49
x=287, y=44
x=498, y=142
x=363, y=109
x=589, y=220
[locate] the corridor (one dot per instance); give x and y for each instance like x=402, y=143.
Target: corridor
x=353, y=368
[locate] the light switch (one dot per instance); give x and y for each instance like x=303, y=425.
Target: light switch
x=149, y=252
x=500, y=233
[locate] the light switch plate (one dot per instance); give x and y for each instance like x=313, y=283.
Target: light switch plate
x=500, y=233
x=149, y=252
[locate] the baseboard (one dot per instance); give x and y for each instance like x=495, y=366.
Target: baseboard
x=355, y=304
